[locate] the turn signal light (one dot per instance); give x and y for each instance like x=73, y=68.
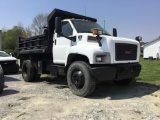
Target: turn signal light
x=96, y=31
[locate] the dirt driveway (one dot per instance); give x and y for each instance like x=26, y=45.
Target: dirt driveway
x=51, y=99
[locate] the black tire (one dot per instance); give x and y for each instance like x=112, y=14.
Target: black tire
x=28, y=71
x=80, y=80
x=125, y=81
x=1, y=79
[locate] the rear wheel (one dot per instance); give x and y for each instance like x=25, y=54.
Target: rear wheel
x=125, y=81
x=80, y=80
x=1, y=79
x=29, y=72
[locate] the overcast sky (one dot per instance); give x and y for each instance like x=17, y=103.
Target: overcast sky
x=130, y=17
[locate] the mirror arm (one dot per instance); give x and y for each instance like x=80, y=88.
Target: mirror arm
x=98, y=40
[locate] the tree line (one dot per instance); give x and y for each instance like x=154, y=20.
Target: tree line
x=9, y=37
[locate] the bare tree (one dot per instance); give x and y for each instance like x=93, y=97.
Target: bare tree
x=38, y=23
x=27, y=32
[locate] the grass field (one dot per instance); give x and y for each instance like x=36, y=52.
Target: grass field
x=150, y=72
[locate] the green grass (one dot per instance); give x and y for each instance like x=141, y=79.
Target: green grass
x=150, y=72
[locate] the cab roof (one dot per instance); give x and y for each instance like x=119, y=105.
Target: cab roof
x=67, y=15
x=64, y=15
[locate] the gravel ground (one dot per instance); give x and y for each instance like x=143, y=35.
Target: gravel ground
x=51, y=99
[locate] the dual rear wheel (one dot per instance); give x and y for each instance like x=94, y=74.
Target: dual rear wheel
x=29, y=72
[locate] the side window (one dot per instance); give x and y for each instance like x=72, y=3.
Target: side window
x=66, y=29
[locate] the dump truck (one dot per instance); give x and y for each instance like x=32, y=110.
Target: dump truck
x=77, y=47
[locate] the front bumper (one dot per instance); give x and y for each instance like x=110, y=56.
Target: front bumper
x=10, y=68
x=116, y=72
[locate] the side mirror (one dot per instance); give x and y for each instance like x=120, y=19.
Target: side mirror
x=58, y=25
x=138, y=38
x=10, y=54
x=114, y=32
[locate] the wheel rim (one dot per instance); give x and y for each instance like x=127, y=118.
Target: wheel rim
x=78, y=79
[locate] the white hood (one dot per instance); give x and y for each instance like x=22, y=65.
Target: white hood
x=10, y=58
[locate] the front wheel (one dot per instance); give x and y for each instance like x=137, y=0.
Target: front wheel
x=79, y=79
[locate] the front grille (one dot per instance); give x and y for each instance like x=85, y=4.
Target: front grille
x=13, y=62
x=125, y=51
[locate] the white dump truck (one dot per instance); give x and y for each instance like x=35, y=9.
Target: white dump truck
x=77, y=47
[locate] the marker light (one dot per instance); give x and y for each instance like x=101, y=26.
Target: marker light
x=96, y=31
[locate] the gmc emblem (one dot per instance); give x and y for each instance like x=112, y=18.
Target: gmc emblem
x=128, y=52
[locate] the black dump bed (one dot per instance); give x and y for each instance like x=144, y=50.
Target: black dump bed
x=43, y=43
x=36, y=44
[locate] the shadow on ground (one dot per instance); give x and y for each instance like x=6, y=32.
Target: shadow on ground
x=109, y=89
x=10, y=79
x=59, y=82
x=104, y=90
x=115, y=92
x=10, y=73
x=8, y=92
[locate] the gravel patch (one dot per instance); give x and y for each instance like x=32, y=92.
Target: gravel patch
x=50, y=99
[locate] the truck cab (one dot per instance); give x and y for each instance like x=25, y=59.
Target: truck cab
x=85, y=43
x=79, y=48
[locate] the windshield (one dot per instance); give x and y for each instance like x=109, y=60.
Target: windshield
x=4, y=54
x=83, y=26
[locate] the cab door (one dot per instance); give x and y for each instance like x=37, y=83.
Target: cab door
x=61, y=45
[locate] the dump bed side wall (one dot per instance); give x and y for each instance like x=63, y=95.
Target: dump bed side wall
x=36, y=44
